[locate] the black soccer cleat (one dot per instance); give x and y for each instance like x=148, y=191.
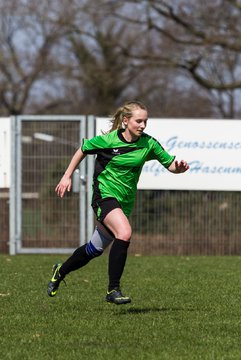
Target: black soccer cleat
x=115, y=296
x=55, y=281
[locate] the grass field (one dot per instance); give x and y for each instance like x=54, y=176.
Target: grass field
x=182, y=308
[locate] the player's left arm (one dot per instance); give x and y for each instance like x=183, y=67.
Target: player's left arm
x=167, y=160
x=178, y=167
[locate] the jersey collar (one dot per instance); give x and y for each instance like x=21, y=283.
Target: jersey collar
x=121, y=137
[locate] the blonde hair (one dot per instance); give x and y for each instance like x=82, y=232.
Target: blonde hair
x=125, y=111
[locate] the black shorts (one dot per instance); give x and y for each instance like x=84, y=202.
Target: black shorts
x=102, y=207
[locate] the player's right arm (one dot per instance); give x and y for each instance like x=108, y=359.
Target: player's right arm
x=89, y=146
x=65, y=182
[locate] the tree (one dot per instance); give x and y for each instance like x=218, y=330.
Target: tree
x=104, y=71
x=204, y=44
x=28, y=37
x=74, y=57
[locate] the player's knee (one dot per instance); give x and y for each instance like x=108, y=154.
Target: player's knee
x=93, y=251
x=124, y=234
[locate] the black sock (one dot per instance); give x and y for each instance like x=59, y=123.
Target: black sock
x=117, y=260
x=77, y=260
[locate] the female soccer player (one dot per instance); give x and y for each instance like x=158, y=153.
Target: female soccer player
x=121, y=154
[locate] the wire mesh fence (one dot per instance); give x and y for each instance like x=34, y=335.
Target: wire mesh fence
x=187, y=223
x=4, y=221
x=46, y=150
x=164, y=222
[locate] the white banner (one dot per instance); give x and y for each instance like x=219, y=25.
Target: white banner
x=212, y=149
x=5, y=152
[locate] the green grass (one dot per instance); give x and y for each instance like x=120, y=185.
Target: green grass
x=182, y=308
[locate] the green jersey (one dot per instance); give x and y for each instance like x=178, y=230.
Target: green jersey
x=119, y=163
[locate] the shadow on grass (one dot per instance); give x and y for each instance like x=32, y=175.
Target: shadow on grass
x=136, y=311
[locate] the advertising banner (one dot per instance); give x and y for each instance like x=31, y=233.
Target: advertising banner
x=212, y=149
